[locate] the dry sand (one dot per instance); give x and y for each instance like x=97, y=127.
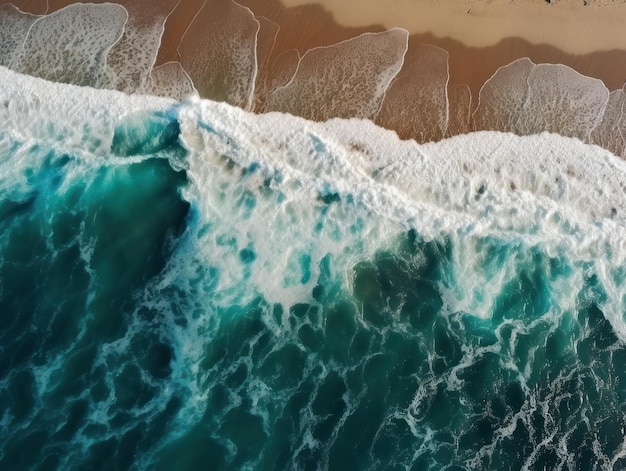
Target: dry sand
x=574, y=26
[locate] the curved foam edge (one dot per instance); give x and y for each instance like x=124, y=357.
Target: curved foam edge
x=347, y=79
x=544, y=190
x=416, y=104
x=132, y=57
x=223, y=66
x=70, y=45
x=14, y=26
x=170, y=80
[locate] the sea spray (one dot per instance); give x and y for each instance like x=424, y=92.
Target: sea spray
x=187, y=285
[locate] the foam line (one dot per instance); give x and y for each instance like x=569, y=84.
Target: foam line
x=607, y=133
x=170, y=80
x=218, y=51
x=347, y=79
x=14, y=26
x=502, y=97
x=70, y=45
x=416, y=103
x=284, y=69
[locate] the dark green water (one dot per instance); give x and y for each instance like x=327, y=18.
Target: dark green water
x=164, y=311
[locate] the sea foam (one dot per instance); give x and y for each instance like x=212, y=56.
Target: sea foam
x=284, y=291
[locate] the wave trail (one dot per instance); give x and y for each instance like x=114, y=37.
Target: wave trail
x=563, y=101
x=348, y=79
x=14, y=26
x=131, y=59
x=608, y=133
x=218, y=51
x=170, y=80
x=71, y=44
x=416, y=103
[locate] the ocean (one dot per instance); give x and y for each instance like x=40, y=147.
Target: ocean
x=186, y=285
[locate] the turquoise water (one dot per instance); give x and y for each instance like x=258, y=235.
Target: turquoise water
x=186, y=286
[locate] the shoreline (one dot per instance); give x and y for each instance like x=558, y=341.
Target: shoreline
x=284, y=35
x=473, y=55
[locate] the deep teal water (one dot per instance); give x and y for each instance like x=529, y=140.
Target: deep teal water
x=136, y=332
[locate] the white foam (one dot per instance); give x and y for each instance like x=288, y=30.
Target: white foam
x=544, y=190
x=67, y=117
x=547, y=191
x=502, y=97
x=607, y=133
x=70, y=45
x=14, y=26
x=170, y=80
x=131, y=59
x=348, y=79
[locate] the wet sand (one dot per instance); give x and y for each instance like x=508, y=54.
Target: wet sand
x=588, y=38
x=476, y=51
x=479, y=36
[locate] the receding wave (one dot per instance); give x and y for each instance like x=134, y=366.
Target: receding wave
x=227, y=54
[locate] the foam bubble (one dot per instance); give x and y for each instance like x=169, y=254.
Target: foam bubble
x=502, y=97
x=70, y=45
x=348, y=79
x=170, y=80
x=265, y=46
x=607, y=133
x=563, y=101
x=416, y=103
x=218, y=51
x=132, y=57
x=14, y=26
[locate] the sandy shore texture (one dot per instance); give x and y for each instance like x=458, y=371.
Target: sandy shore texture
x=573, y=26
x=478, y=36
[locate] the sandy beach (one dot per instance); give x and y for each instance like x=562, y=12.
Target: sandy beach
x=479, y=36
x=573, y=26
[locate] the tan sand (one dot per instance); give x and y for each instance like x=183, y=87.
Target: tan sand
x=574, y=26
